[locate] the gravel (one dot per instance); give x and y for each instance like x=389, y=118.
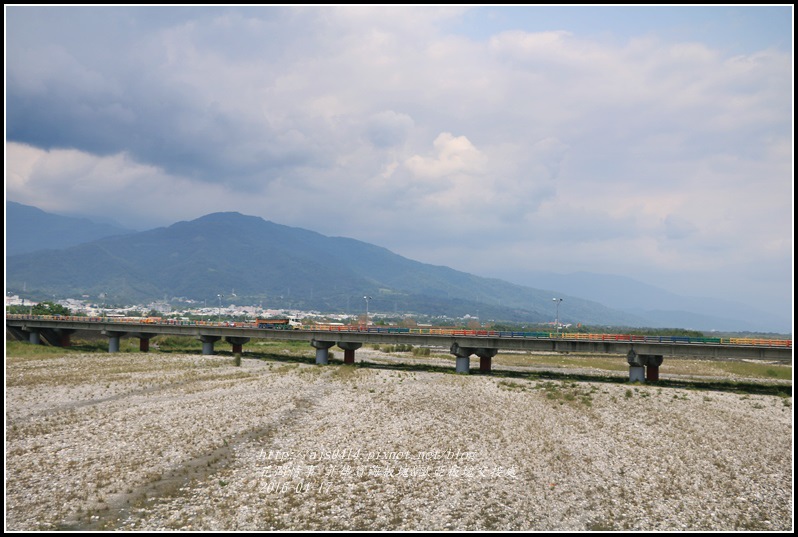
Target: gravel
x=163, y=441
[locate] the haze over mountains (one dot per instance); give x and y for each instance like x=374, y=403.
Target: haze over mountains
x=33, y=229
x=287, y=267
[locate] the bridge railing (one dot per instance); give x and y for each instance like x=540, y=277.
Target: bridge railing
x=566, y=336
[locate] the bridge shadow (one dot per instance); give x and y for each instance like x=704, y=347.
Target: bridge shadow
x=730, y=386
x=721, y=385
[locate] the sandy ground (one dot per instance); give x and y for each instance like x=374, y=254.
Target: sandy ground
x=183, y=442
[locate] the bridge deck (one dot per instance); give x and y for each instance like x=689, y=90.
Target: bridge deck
x=778, y=350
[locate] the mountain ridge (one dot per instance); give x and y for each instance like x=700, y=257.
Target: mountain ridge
x=292, y=267
x=47, y=231
x=272, y=263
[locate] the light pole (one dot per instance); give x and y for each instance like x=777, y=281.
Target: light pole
x=219, y=316
x=367, y=298
x=557, y=317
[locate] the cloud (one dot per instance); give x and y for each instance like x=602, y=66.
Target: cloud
x=454, y=156
x=388, y=128
x=552, y=149
x=139, y=196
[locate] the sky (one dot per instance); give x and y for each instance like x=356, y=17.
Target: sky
x=648, y=142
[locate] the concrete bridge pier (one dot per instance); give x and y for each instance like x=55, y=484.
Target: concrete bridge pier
x=463, y=357
x=113, y=340
x=57, y=337
x=63, y=335
x=643, y=367
x=637, y=373
x=636, y=368
x=144, y=340
x=237, y=343
x=207, y=344
x=34, y=338
x=652, y=367
x=349, y=351
x=322, y=351
x=485, y=356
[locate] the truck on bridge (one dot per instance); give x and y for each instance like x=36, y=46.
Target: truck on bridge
x=285, y=323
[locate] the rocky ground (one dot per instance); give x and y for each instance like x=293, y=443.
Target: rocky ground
x=163, y=441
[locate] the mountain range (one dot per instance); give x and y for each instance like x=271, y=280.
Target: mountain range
x=279, y=266
x=33, y=229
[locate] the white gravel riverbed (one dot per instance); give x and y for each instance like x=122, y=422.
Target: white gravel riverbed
x=162, y=441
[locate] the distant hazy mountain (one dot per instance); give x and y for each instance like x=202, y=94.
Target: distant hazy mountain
x=286, y=267
x=29, y=229
x=661, y=308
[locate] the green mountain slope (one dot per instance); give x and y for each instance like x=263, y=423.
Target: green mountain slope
x=284, y=267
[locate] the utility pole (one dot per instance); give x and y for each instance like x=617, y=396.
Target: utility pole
x=367, y=298
x=557, y=315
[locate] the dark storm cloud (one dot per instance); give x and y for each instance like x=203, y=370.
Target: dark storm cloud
x=110, y=82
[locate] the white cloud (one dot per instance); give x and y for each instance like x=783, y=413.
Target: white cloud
x=68, y=181
x=454, y=156
x=558, y=150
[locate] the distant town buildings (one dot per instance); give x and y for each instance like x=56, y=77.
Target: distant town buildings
x=85, y=306
x=14, y=300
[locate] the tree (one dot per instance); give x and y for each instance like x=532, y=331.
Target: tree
x=409, y=323
x=50, y=308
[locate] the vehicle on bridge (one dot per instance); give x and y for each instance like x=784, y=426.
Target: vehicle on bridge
x=293, y=323
x=286, y=323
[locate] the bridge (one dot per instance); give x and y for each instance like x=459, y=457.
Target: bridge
x=643, y=353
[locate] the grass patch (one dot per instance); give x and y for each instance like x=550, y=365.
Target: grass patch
x=285, y=368
x=109, y=368
x=301, y=352
x=674, y=366
x=512, y=386
x=298, y=347
x=345, y=372
x=757, y=370
x=180, y=344
x=567, y=392
x=22, y=349
x=564, y=361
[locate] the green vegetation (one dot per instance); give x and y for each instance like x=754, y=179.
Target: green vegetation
x=674, y=366
x=602, y=362
x=269, y=269
x=42, y=308
x=513, y=386
x=727, y=375
x=345, y=372
x=568, y=392
x=401, y=347
x=293, y=348
x=593, y=329
x=23, y=349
